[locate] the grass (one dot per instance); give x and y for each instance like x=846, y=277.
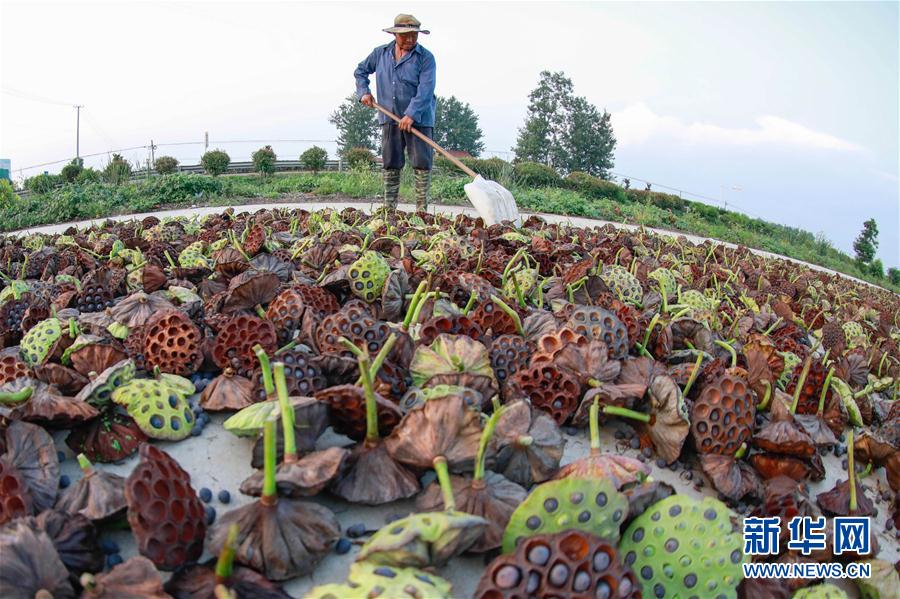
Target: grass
x=77, y=202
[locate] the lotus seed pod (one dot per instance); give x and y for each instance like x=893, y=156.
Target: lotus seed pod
x=666, y=280
x=588, y=504
x=820, y=591
x=680, y=547
x=367, y=275
x=624, y=284
x=526, y=279
x=38, y=342
x=601, y=325
x=159, y=411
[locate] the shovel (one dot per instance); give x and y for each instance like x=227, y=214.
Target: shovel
x=493, y=202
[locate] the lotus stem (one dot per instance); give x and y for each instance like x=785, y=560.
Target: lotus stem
x=616, y=259
x=421, y=305
x=626, y=413
x=12, y=398
x=443, y=476
x=371, y=404
x=470, y=304
x=867, y=470
x=881, y=363
x=825, y=391
x=767, y=397
x=480, y=258
x=592, y=382
x=266, y=369
x=287, y=414
x=800, y=382
x=665, y=299
x=380, y=357
x=851, y=471
x=495, y=403
x=486, y=435
x=73, y=328
x=350, y=346
x=695, y=372
x=286, y=347
x=225, y=563
x=730, y=349
x=169, y=259
x=509, y=266
x=84, y=463
x=525, y=440
x=509, y=312
x=269, y=492
x=520, y=298
x=653, y=322
x=594, y=417
x=259, y=311
x=413, y=304
x=741, y=452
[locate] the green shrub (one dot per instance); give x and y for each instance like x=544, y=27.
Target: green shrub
x=314, y=159
x=117, y=171
x=536, y=174
x=42, y=183
x=360, y=158
x=8, y=197
x=894, y=275
x=71, y=171
x=165, y=165
x=448, y=189
x=264, y=160
x=177, y=187
x=595, y=187
x=876, y=269
x=89, y=175
x=215, y=162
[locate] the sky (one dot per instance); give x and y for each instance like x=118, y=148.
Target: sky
x=786, y=111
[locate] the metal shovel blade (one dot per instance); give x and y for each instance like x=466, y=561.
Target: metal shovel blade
x=494, y=203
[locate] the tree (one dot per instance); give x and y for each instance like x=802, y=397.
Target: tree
x=314, y=159
x=456, y=126
x=165, y=165
x=264, y=160
x=564, y=130
x=117, y=170
x=357, y=126
x=867, y=242
x=876, y=269
x=71, y=171
x=215, y=162
x=894, y=275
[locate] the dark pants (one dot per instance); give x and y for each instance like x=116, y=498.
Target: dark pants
x=393, y=141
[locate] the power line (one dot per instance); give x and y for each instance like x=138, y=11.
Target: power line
x=33, y=97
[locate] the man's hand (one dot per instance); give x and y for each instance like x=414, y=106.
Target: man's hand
x=368, y=100
x=406, y=124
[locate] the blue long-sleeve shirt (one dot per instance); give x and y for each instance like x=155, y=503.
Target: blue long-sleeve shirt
x=406, y=88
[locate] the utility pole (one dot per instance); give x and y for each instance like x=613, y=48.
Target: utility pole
x=78, y=108
x=205, y=141
x=152, y=152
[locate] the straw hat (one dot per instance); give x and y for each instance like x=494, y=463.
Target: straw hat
x=406, y=24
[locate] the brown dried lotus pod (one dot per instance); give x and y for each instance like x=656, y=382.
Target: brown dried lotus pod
x=31, y=567
x=833, y=336
x=310, y=421
x=356, y=324
x=786, y=438
x=94, y=297
x=134, y=347
x=230, y=262
x=136, y=578
x=601, y=325
x=75, y=539
x=548, y=347
x=491, y=318
x=256, y=237
x=165, y=514
x=731, y=477
x=853, y=369
x=530, y=445
x=48, y=407
x=303, y=376
x=723, y=417
x=66, y=380
x=200, y=582
x=30, y=450
x=550, y=389
x=228, y=391
x=812, y=387
x=764, y=588
x=110, y=438
x=237, y=337
x=250, y=289
x=509, y=354
x=348, y=411
x=304, y=477
x=286, y=314
x=566, y=564
x=771, y=465
x=97, y=495
x=15, y=501
x=619, y=469
x=172, y=342
x=368, y=462
x=630, y=317
x=11, y=365
x=153, y=278
x=493, y=498
x=443, y=426
x=454, y=325
x=137, y=308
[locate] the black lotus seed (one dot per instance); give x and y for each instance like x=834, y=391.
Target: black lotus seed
x=156, y=421
x=576, y=498
x=539, y=555
x=601, y=499
x=601, y=561
x=584, y=516
x=384, y=571
x=710, y=514
x=637, y=535
x=507, y=577
x=582, y=582
x=533, y=523
x=690, y=580
x=558, y=575
x=551, y=504
x=534, y=581
x=735, y=556
x=674, y=510
x=671, y=545
x=603, y=591
x=659, y=590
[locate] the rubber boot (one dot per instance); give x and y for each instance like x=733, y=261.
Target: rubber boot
x=423, y=183
x=391, y=188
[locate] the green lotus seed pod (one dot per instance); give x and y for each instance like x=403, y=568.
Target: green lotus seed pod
x=820, y=591
x=623, y=283
x=666, y=280
x=527, y=280
x=855, y=334
x=790, y=362
x=159, y=411
x=589, y=504
x=367, y=275
x=680, y=547
x=40, y=340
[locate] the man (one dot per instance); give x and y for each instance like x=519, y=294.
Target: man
x=405, y=76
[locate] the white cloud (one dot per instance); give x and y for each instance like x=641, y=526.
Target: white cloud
x=637, y=123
